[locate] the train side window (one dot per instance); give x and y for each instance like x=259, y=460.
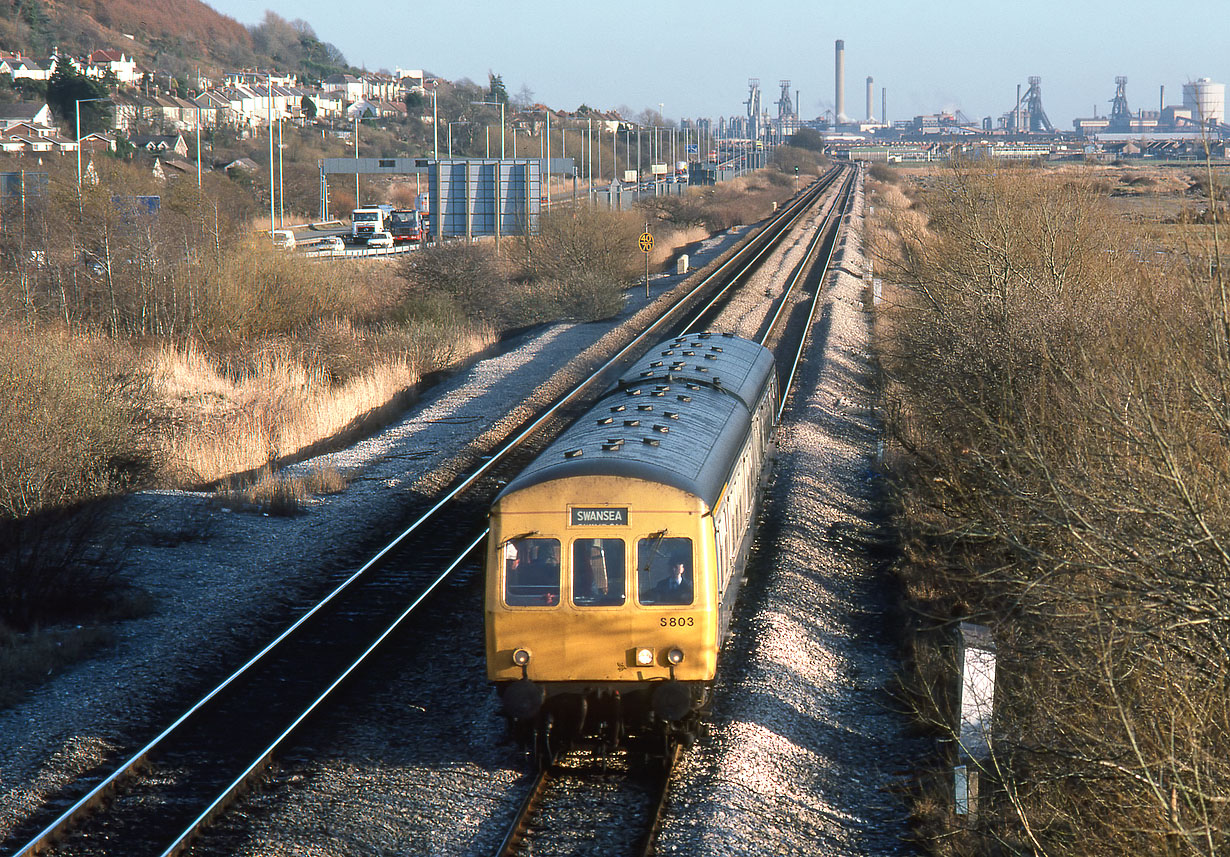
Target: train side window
x=598, y=577
x=531, y=572
x=658, y=561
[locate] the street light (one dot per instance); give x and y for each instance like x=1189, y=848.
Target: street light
x=499, y=104
x=450, y=135
x=435, y=126
x=77, y=110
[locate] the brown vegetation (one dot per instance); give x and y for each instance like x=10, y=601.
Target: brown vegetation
x=1058, y=409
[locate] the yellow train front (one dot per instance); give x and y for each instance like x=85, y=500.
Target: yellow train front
x=615, y=557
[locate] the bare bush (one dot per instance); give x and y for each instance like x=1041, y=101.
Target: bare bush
x=468, y=275
x=69, y=431
x=577, y=265
x=1059, y=413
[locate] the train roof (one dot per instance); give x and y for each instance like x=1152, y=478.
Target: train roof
x=678, y=416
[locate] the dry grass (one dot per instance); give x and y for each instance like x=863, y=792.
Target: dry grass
x=275, y=493
x=221, y=424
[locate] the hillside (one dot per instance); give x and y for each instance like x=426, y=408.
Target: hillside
x=172, y=36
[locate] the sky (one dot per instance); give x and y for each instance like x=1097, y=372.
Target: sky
x=695, y=58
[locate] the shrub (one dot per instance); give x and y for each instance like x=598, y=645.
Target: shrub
x=70, y=427
x=1060, y=470
x=467, y=275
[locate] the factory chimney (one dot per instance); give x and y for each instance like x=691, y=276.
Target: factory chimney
x=871, y=116
x=840, y=75
x=884, y=104
x=1161, y=99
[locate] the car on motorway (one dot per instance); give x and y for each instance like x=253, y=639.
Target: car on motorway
x=332, y=243
x=380, y=239
x=284, y=239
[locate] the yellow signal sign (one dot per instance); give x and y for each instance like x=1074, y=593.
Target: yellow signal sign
x=645, y=242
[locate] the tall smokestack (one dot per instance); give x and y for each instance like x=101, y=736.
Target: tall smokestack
x=1161, y=98
x=884, y=104
x=840, y=76
x=871, y=116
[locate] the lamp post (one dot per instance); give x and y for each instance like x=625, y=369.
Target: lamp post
x=450, y=135
x=499, y=104
x=77, y=110
x=269, y=123
x=435, y=127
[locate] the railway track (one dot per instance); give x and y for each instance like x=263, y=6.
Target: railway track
x=564, y=798
x=569, y=797
x=159, y=798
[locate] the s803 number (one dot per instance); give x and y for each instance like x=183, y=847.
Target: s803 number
x=676, y=621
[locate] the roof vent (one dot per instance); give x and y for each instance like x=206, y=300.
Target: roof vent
x=644, y=407
x=605, y=421
x=612, y=446
x=648, y=373
x=671, y=415
x=661, y=429
x=655, y=364
x=689, y=354
x=632, y=422
x=616, y=409
x=573, y=453
x=711, y=357
x=633, y=391
x=683, y=398
x=651, y=441
x=667, y=353
x=659, y=392
x=716, y=348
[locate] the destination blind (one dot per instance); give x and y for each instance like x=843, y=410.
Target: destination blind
x=605, y=516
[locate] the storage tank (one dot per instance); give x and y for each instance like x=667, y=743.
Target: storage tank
x=1206, y=99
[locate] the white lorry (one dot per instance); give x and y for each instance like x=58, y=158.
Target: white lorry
x=365, y=221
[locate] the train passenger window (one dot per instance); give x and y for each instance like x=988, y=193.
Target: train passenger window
x=664, y=570
x=531, y=572
x=598, y=577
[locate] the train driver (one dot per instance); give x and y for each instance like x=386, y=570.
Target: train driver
x=676, y=587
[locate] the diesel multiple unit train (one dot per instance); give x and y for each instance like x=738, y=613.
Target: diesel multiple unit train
x=615, y=557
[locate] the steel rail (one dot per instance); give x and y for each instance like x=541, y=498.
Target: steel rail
x=848, y=192
x=650, y=838
x=801, y=270
x=521, y=821
x=264, y=756
x=517, y=831
x=99, y=792
x=795, y=211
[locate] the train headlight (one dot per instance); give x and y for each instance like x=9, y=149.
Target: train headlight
x=675, y=657
x=644, y=657
x=521, y=657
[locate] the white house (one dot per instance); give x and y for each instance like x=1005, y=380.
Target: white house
x=123, y=67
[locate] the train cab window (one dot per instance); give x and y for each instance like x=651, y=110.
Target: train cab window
x=664, y=571
x=531, y=572
x=598, y=576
